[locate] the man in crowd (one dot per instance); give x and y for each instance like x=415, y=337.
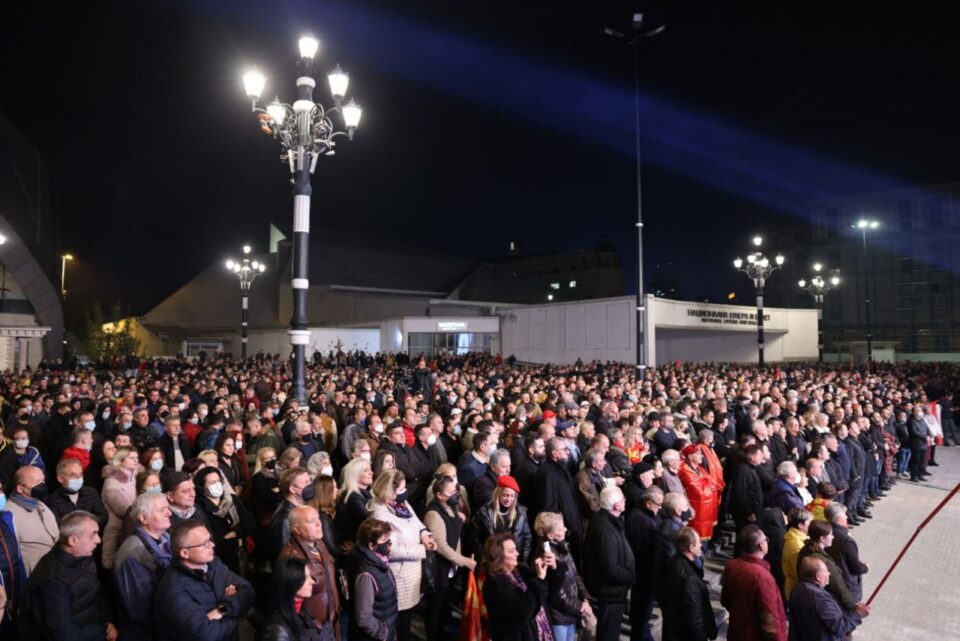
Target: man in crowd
x=34, y=522
x=751, y=594
x=815, y=614
x=73, y=495
x=608, y=563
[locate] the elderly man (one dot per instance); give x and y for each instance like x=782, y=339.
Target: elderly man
x=784, y=493
x=555, y=491
x=608, y=563
x=746, y=493
x=140, y=563
x=815, y=614
x=590, y=482
x=750, y=594
x=173, y=444
x=64, y=591
x=306, y=542
x=199, y=597
x=34, y=522
x=844, y=550
x=683, y=595
x=641, y=529
x=73, y=495
x=12, y=574
x=486, y=483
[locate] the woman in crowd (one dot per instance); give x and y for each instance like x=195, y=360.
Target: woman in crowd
x=566, y=593
x=289, y=459
x=242, y=461
x=375, y=614
x=229, y=520
x=99, y=462
x=119, y=491
x=225, y=447
x=325, y=502
x=384, y=460
x=502, y=514
x=151, y=459
x=820, y=535
x=463, y=505
x=266, y=486
x=514, y=595
x=291, y=584
x=353, y=499
x=320, y=464
x=798, y=524
x=445, y=521
x=410, y=541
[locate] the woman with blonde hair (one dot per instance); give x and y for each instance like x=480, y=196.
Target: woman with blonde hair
x=410, y=541
x=502, y=514
x=119, y=492
x=351, y=507
x=567, y=594
x=325, y=502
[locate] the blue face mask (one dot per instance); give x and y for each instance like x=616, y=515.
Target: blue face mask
x=3, y=501
x=90, y=425
x=74, y=485
x=126, y=425
x=153, y=489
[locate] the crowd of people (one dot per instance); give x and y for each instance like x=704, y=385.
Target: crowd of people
x=187, y=499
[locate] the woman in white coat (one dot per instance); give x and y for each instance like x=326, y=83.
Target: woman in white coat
x=119, y=491
x=410, y=540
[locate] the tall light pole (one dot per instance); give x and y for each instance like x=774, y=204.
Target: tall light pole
x=63, y=275
x=247, y=271
x=632, y=40
x=306, y=132
x=818, y=287
x=758, y=267
x=863, y=225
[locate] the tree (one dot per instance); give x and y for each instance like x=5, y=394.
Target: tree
x=104, y=339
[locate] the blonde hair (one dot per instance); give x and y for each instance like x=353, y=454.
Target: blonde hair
x=494, y=504
x=121, y=455
x=259, y=464
x=388, y=479
x=209, y=453
x=350, y=477
x=546, y=523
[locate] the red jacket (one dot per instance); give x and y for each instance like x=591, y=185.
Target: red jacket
x=751, y=596
x=703, y=497
x=79, y=454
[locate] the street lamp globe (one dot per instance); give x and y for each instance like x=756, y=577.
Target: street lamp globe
x=757, y=240
x=351, y=115
x=247, y=249
x=277, y=111
x=817, y=267
x=802, y=283
x=779, y=259
x=835, y=281
x=253, y=83
x=339, y=81
x=738, y=263
x=308, y=46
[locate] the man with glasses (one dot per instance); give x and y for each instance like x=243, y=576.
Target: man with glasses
x=641, y=530
x=750, y=593
x=199, y=597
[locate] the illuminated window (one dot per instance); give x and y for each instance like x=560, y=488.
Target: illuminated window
x=573, y=283
x=554, y=285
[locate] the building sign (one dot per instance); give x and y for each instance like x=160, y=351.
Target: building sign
x=451, y=326
x=725, y=317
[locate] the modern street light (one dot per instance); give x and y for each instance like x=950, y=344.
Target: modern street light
x=818, y=288
x=306, y=131
x=637, y=34
x=759, y=268
x=865, y=224
x=247, y=271
x=63, y=275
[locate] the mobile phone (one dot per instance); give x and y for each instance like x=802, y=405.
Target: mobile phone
x=546, y=547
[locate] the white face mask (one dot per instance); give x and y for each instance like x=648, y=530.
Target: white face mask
x=365, y=456
x=326, y=471
x=238, y=444
x=216, y=490
x=21, y=443
x=431, y=439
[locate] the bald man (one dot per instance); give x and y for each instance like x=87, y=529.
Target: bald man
x=814, y=612
x=35, y=523
x=306, y=542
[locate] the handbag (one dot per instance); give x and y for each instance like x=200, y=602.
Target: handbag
x=429, y=573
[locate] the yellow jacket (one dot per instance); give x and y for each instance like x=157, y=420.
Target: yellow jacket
x=793, y=540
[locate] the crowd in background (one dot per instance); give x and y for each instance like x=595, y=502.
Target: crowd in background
x=190, y=499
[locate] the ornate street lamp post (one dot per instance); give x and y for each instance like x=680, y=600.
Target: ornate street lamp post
x=818, y=288
x=758, y=267
x=247, y=271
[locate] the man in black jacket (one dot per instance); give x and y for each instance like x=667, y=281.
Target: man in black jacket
x=683, y=595
x=417, y=467
x=555, y=493
x=73, y=495
x=919, y=442
x=528, y=465
x=641, y=530
x=608, y=563
x=173, y=444
x=844, y=550
x=64, y=592
x=746, y=495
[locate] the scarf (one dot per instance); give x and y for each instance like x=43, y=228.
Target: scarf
x=25, y=502
x=544, y=631
x=227, y=510
x=183, y=514
x=400, y=509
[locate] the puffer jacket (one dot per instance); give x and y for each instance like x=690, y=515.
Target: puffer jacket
x=566, y=591
x=482, y=528
x=406, y=554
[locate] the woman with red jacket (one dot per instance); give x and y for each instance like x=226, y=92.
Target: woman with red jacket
x=701, y=491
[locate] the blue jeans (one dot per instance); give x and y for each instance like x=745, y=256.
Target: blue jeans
x=903, y=458
x=564, y=632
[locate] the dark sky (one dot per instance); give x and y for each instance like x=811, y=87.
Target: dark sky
x=483, y=122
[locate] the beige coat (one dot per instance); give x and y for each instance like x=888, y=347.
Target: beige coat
x=119, y=491
x=37, y=532
x=406, y=554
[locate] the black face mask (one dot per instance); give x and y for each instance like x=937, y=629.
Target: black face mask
x=271, y=464
x=539, y=458
x=686, y=515
x=39, y=492
x=454, y=500
x=308, y=493
x=383, y=549
x=402, y=497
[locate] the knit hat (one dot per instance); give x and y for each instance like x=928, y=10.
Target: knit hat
x=549, y=414
x=508, y=481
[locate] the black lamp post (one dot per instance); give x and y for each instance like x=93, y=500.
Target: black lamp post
x=247, y=271
x=863, y=225
x=818, y=288
x=758, y=267
x=306, y=132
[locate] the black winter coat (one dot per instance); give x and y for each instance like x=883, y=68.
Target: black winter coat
x=512, y=613
x=64, y=596
x=746, y=495
x=685, y=602
x=555, y=494
x=641, y=530
x=608, y=563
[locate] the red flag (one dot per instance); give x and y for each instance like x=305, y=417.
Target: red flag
x=471, y=626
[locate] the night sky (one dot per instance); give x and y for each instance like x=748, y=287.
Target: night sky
x=483, y=122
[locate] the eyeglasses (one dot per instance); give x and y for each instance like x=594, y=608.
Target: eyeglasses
x=207, y=543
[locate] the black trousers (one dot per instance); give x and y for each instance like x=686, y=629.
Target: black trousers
x=641, y=609
x=918, y=462
x=609, y=620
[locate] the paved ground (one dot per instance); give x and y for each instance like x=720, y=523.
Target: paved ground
x=921, y=599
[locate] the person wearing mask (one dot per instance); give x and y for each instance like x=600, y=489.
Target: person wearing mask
x=65, y=596
x=567, y=596
x=266, y=486
x=410, y=542
x=19, y=453
x=683, y=595
x=375, y=605
x=515, y=597
x=119, y=491
x=608, y=563
x=641, y=527
x=173, y=444
x=815, y=614
x=73, y=495
x=443, y=519
x=750, y=593
x=199, y=597
x=181, y=493
x=229, y=520
x=139, y=565
x=305, y=441
x=296, y=489
x=418, y=466
x=80, y=448
x=352, y=500
x=13, y=575
x=555, y=491
x=322, y=601
x=291, y=585
x=34, y=522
